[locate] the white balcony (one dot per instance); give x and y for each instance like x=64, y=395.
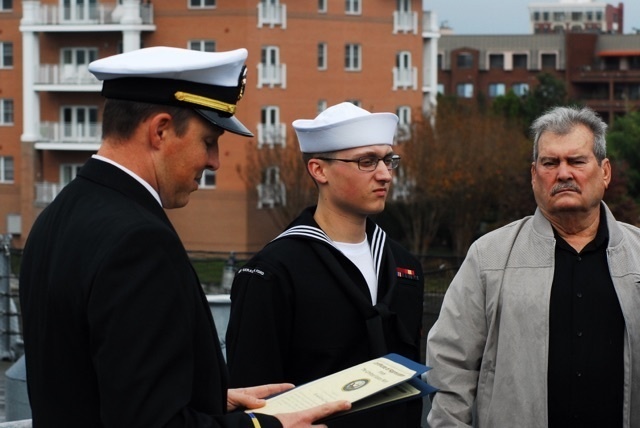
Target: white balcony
x=272, y=135
x=70, y=137
x=46, y=192
x=55, y=74
x=405, y=22
x=272, y=15
x=37, y=16
x=405, y=78
x=271, y=195
x=272, y=75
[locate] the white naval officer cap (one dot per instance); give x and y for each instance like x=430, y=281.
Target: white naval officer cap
x=211, y=83
x=345, y=126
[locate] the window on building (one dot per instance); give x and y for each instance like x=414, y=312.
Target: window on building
x=321, y=106
x=196, y=4
x=322, y=56
x=322, y=6
x=520, y=61
x=352, y=57
x=440, y=61
x=353, y=7
x=441, y=88
x=208, y=180
x=68, y=172
x=80, y=123
x=545, y=16
x=548, y=60
x=6, y=54
x=403, y=130
x=576, y=16
x=558, y=16
x=6, y=169
x=6, y=111
x=598, y=16
x=202, y=45
x=464, y=90
x=271, y=131
x=496, y=61
x=464, y=60
x=520, y=89
x=270, y=71
x=404, y=75
x=496, y=89
x=271, y=190
x=589, y=15
x=6, y=5
x=536, y=16
x=356, y=103
x=75, y=64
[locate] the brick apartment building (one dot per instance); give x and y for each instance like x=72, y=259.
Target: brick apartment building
x=303, y=57
x=600, y=70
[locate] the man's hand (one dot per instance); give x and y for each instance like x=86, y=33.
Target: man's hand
x=305, y=418
x=252, y=397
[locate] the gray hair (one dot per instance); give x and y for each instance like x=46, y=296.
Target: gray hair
x=561, y=120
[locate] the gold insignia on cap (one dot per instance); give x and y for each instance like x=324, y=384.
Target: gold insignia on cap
x=206, y=102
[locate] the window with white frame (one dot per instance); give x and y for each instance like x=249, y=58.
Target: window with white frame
x=199, y=4
x=6, y=5
x=403, y=131
x=271, y=131
x=496, y=89
x=322, y=56
x=6, y=111
x=68, y=172
x=6, y=54
x=352, y=57
x=271, y=191
x=464, y=90
x=404, y=75
x=404, y=19
x=75, y=63
x=353, y=7
x=202, y=45
x=272, y=13
x=6, y=169
x=80, y=123
x=208, y=179
x=321, y=106
x=322, y=6
x=440, y=89
x=520, y=89
x=270, y=71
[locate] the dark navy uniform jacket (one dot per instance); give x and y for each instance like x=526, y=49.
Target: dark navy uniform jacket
x=301, y=310
x=117, y=329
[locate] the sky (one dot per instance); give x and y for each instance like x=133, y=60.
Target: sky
x=482, y=16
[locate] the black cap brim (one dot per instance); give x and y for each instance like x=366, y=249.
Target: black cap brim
x=228, y=123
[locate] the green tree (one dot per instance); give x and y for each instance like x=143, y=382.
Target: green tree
x=624, y=147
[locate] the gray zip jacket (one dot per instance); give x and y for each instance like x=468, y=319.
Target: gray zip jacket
x=490, y=342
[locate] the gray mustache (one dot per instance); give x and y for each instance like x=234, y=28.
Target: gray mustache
x=564, y=186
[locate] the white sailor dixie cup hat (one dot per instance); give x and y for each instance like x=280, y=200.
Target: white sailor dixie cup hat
x=345, y=126
x=211, y=83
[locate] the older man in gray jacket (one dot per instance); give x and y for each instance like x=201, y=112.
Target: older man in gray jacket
x=541, y=327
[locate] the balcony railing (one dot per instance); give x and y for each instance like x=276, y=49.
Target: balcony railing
x=271, y=195
x=99, y=14
x=272, y=75
x=54, y=74
x=272, y=134
x=272, y=15
x=405, y=78
x=405, y=22
x=71, y=133
x=46, y=192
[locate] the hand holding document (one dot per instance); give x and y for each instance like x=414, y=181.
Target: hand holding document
x=373, y=383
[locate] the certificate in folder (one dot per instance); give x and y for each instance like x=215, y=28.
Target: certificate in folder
x=381, y=381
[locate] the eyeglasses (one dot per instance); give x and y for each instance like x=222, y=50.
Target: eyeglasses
x=370, y=163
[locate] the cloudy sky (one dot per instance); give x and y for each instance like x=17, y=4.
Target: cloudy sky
x=480, y=17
